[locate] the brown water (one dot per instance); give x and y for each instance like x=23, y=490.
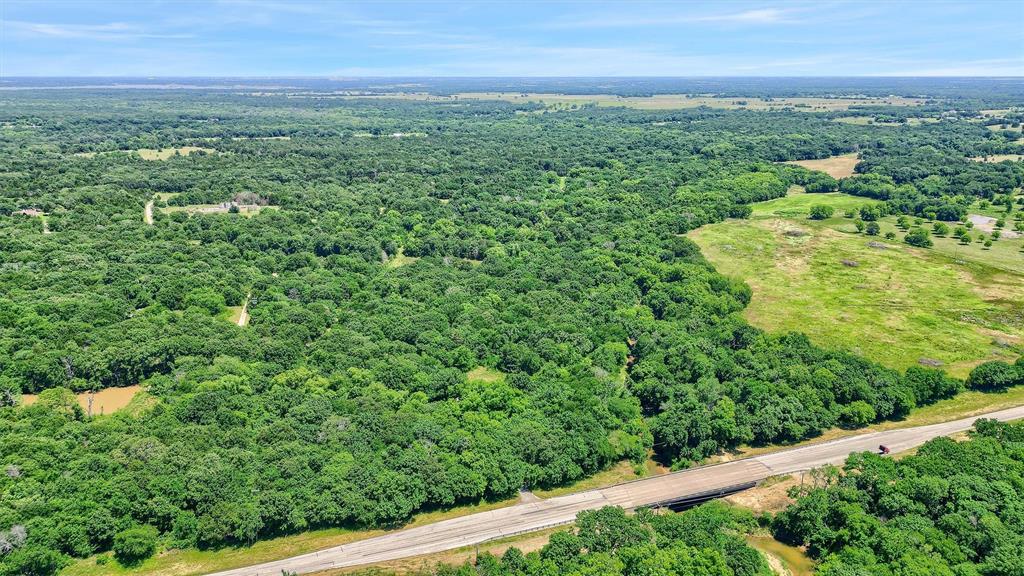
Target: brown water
x=793, y=559
x=103, y=401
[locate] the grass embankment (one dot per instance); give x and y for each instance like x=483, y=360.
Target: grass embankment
x=420, y=564
x=892, y=303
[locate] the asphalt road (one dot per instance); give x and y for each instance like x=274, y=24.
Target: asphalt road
x=503, y=522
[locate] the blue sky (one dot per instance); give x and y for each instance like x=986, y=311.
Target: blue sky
x=579, y=38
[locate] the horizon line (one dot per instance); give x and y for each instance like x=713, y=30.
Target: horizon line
x=539, y=77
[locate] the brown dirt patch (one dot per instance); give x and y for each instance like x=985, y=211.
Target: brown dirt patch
x=771, y=496
x=837, y=166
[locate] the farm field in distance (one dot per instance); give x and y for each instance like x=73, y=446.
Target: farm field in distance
x=679, y=101
x=893, y=303
x=655, y=102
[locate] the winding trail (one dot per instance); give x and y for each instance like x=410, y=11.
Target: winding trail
x=531, y=516
x=148, y=216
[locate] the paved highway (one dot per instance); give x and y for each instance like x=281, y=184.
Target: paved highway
x=476, y=528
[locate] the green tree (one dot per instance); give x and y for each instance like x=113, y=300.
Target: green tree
x=994, y=375
x=857, y=414
x=134, y=545
x=207, y=299
x=918, y=237
x=821, y=212
x=32, y=561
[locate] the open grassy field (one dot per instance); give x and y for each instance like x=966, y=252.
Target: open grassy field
x=869, y=121
x=247, y=210
x=997, y=112
x=399, y=259
x=233, y=314
x=999, y=158
x=391, y=135
x=836, y=166
x=156, y=153
x=994, y=127
x=897, y=305
x=165, y=153
x=485, y=374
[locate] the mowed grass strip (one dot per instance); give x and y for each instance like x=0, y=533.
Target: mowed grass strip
x=896, y=305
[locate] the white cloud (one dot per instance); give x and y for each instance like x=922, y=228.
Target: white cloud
x=104, y=32
x=762, y=16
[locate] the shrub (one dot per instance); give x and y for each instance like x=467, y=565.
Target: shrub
x=918, y=237
x=32, y=561
x=821, y=212
x=870, y=213
x=995, y=375
x=930, y=384
x=134, y=545
x=872, y=229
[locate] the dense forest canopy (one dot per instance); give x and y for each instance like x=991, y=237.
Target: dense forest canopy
x=404, y=244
